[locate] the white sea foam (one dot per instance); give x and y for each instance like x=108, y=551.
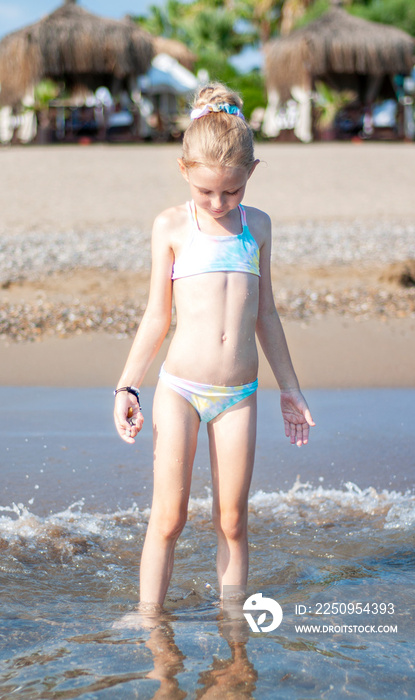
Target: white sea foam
x=74, y=521
x=308, y=502
x=302, y=502
x=305, y=501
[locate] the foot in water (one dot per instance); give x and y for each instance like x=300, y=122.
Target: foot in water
x=148, y=616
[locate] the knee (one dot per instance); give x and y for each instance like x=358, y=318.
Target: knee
x=169, y=525
x=231, y=524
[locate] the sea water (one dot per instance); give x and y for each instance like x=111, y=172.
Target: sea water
x=331, y=529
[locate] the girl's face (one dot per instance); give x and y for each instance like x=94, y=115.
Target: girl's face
x=217, y=190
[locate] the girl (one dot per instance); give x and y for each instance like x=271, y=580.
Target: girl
x=214, y=255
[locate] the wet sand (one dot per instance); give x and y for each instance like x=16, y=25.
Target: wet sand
x=330, y=352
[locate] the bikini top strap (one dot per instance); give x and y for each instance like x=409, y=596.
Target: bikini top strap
x=193, y=215
x=243, y=215
x=190, y=210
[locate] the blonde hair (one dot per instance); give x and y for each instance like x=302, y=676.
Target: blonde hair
x=218, y=138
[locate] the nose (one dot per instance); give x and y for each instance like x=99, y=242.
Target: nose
x=217, y=201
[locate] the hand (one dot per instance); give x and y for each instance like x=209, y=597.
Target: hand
x=127, y=416
x=296, y=415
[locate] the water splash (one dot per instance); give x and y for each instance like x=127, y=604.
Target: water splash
x=302, y=502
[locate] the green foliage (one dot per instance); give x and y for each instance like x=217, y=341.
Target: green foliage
x=399, y=13
x=263, y=15
x=45, y=91
x=204, y=26
x=318, y=8
x=165, y=20
x=329, y=102
x=250, y=86
x=212, y=30
x=218, y=68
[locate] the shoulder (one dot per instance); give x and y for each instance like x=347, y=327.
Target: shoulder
x=259, y=224
x=171, y=228
x=170, y=224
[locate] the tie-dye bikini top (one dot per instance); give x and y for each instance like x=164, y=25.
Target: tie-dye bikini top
x=205, y=253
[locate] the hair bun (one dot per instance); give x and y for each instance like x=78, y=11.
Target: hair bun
x=214, y=93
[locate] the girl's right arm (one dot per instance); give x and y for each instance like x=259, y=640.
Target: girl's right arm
x=151, y=332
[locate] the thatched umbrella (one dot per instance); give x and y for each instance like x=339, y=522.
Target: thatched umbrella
x=75, y=46
x=340, y=49
x=175, y=49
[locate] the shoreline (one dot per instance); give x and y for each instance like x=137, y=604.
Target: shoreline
x=330, y=352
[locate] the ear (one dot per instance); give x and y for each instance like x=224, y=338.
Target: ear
x=253, y=168
x=183, y=169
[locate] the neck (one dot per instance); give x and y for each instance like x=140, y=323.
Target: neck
x=228, y=224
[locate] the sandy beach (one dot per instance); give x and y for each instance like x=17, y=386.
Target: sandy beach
x=75, y=258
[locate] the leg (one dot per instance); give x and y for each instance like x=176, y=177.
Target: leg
x=232, y=437
x=175, y=429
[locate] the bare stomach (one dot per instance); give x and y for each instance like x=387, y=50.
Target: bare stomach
x=214, y=342
x=220, y=363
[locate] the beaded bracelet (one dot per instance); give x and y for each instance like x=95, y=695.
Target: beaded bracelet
x=131, y=390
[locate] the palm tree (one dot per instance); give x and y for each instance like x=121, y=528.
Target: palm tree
x=205, y=26
x=263, y=15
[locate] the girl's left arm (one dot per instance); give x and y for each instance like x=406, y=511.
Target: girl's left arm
x=296, y=414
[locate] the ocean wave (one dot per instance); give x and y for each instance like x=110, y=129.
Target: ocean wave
x=60, y=536
x=304, y=502
x=390, y=509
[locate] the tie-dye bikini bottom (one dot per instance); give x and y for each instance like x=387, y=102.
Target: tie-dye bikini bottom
x=208, y=400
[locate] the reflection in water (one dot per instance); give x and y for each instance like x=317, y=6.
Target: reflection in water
x=168, y=662
x=229, y=678
x=233, y=677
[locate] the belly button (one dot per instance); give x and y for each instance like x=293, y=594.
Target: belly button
x=224, y=337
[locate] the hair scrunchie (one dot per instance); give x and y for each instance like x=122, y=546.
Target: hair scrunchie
x=216, y=107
